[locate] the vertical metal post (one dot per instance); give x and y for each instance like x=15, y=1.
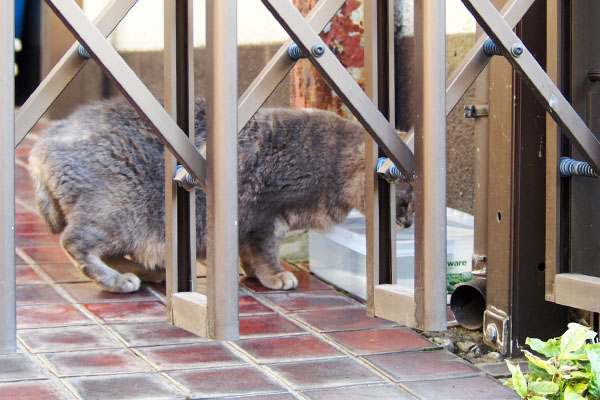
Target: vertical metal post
x=222, y=196
x=180, y=227
x=430, y=164
x=554, y=68
x=480, y=204
x=385, y=103
x=371, y=155
x=8, y=325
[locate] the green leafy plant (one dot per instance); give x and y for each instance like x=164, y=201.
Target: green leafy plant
x=569, y=370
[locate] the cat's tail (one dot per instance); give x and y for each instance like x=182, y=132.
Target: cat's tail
x=49, y=208
x=46, y=202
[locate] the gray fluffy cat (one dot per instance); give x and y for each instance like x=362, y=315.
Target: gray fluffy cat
x=99, y=179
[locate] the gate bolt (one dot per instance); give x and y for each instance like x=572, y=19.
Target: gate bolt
x=517, y=49
x=318, y=50
x=491, y=332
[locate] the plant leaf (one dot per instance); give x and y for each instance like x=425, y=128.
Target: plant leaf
x=593, y=388
x=519, y=382
x=537, y=398
x=546, y=365
x=544, y=387
x=593, y=353
x=579, y=387
x=571, y=394
x=573, y=339
x=537, y=372
x=550, y=348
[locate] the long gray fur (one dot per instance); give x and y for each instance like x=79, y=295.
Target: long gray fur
x=99, y=179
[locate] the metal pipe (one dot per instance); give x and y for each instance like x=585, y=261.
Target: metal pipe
x=8, y=323
x=221, y=146
x=430, y=164
x=467, y=303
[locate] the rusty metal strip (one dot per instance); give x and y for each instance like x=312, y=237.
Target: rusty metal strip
x=280, y=64
x=344, y=85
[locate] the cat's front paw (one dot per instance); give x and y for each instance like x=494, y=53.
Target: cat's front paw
x=281, y=280
x=127, y=283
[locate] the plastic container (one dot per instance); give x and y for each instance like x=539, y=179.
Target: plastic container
x=339, y=255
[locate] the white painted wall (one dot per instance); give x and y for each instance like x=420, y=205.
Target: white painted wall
x=458, y=18
x=142, y=28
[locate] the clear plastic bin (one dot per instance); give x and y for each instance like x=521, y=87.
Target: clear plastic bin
x=339, y=255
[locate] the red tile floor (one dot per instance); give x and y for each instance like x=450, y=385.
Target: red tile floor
x=77, y=342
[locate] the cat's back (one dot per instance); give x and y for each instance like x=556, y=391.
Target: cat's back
x=99, y=145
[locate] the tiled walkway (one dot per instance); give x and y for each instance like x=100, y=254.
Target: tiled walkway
x=78, y=342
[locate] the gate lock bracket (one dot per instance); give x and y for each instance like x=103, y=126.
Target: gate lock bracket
x=495, y=332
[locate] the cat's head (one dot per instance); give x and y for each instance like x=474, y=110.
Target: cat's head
x=405, y=207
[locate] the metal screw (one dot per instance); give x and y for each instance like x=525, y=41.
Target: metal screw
x=83, y=52
x=318, y=50
x=517, y=49
x=491, y=332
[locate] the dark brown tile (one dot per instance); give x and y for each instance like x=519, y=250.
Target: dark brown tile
x=421, y=365
x=475, y=388
x=307, y=301
x=321, y=374
x=267, y=325
x=288, y=348
x=221, y=382
x=130, y=386
x=380, y=340
x=155, y=333
x=306, y=281
x=130, y=311
x=27, y=276
x=278, y=396
x=190, y=356
x=41, y=240
x=23, y=214
x=249, y=305
x=64, y=272
x=33, y=390
x=95, y=362
x=90, y=292
x=67, y=338
x=17, y=367
x=49, y=316
x=46, y=254
x=29, y=295
x=383, y=392
x=32, y=228
x=350, y=318
x=19, y=260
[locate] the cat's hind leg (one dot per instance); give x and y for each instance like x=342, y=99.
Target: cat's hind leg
x=86, y=246
x=259, y=258
x=126, y=265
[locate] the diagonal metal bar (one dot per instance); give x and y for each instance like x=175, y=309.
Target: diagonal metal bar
x=545, y=90
x=344, y=85
x=64, y=71
x=131, y=87
x=474, y=62
x=280, y=64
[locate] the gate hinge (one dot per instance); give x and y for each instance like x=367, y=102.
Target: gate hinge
x=476, y=111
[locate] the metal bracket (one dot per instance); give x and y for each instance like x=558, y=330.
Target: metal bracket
x=495, y=332
x=476, y=111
